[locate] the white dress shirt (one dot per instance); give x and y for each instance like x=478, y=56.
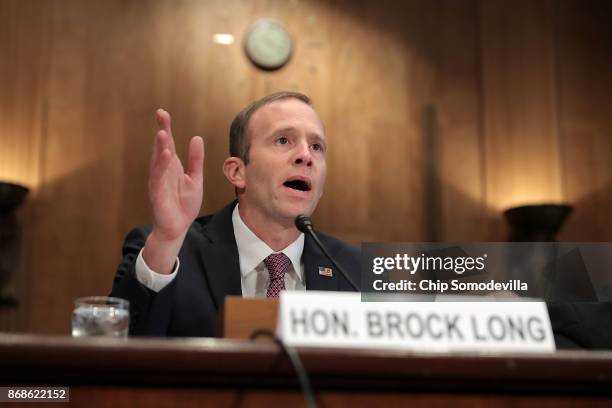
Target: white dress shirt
x=254, y=276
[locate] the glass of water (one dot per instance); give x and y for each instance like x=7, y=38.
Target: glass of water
x=100, y=316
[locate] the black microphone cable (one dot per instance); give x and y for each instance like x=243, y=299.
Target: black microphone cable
x=304, y=224
x=295, y=361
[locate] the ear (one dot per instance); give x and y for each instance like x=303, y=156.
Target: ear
x=233, y=168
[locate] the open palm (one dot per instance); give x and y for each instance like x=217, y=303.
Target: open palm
x=175, y=195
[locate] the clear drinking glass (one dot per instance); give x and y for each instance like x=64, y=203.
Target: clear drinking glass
x=100, y=316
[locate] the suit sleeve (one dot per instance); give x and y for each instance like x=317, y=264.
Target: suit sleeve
x=150, y=312
x=581, y=325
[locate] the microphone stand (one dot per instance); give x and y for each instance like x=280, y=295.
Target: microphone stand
x=304, y=224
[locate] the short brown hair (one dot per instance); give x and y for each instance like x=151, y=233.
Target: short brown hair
x=239, y=143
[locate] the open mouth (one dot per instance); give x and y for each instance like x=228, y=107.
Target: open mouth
x=300, y=185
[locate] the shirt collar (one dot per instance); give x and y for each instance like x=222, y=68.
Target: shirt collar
x=252, y=250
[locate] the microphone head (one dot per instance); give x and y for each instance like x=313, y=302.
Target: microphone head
x=303, y=223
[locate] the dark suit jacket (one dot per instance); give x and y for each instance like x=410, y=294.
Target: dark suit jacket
x=581, y=325
x=209, y=271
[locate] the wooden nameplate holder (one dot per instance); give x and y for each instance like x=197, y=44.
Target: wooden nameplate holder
x=240, y=317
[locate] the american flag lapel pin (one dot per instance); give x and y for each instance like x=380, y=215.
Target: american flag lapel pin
x=323, y=271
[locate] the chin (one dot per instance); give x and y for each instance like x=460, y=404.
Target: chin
x=295, y=210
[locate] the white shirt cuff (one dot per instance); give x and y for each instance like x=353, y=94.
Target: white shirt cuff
x=151, y=279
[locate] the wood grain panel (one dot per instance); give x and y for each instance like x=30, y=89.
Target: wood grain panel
x=183, y=372
x=456, y=96
x=22, y=99
x=78, y=204
x=375, y=148
x=519, y=106
x=584, y=58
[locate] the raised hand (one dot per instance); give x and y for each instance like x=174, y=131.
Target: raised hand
x=175, y=196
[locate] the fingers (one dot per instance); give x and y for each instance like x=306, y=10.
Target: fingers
x=164, y=121
x=164, y=151
x=196, y=158
x=159, y=167
x=159, y=145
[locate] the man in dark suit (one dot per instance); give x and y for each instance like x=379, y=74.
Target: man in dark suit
x=177, y=272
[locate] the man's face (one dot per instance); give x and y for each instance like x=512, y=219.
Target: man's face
x=286, y=172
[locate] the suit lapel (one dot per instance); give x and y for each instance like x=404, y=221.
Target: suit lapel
x=220, y=256
x=313, y=259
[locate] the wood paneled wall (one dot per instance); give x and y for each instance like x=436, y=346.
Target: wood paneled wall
x=521, y=140
x=584, y=96
x=520, y=94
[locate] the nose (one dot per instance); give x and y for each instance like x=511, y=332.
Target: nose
x=303, y=155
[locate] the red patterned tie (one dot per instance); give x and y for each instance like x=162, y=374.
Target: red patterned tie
x=277, y=265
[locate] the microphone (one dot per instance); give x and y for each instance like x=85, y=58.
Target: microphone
x=304, y=224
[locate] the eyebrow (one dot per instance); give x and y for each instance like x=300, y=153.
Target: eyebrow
x=292, y=129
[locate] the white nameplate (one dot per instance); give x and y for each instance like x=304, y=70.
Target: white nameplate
x=340, y=319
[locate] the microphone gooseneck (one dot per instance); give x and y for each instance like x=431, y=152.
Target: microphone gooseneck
x=304, y=224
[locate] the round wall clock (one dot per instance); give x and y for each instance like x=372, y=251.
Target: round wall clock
x=268, y=44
